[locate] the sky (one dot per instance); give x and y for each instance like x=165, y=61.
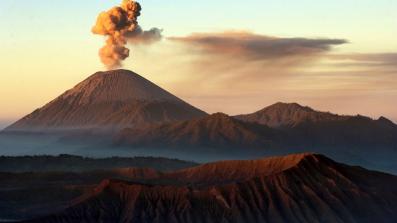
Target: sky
x=232, y=57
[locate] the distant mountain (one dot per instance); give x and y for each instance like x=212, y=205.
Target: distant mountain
x=297, y=188
x=277, y=129
x=281, y=115
x=306, y=128
x=279, y=125
x=214, y=131
x=112, y=99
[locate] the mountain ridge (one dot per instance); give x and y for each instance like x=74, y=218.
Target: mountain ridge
x=289, y=115
x=215, y=130
x=281, y=115
x=313, y=188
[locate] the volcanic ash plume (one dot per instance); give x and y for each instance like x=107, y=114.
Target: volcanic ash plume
x=120, y=25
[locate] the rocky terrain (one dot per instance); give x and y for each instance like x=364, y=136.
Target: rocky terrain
x=32, y=186
x=295, y=188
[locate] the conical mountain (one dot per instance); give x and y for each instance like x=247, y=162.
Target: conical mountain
x=112, y=99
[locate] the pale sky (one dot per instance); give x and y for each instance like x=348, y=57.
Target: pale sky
x=46, y=47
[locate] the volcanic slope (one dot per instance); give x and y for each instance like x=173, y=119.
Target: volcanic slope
x=113, y=99
x=295, y=188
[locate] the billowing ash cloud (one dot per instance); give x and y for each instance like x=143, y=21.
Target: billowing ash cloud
x=257, y=47
x=120, y=26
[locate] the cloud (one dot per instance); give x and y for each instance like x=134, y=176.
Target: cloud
x=241, y=72
x=254, y=47
x=222, y=59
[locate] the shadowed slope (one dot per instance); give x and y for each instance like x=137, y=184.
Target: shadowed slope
x=299, y=188
x=30, y=194
x=214, y=131
x=56, y=181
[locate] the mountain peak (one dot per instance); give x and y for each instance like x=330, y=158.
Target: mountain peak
x=108, y=100
x=291, y=106
x=386, y=122
x=218, y=117
x=287, y=115
x=117, y=85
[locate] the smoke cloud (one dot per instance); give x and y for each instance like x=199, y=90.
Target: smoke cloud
x=120, y=26
x=253, y=47
x=140, y=36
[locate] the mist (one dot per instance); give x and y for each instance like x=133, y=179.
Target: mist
x=21, y=144
x=4, y=123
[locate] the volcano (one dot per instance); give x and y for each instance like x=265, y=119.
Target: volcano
x=108, y=100
x=296, y=188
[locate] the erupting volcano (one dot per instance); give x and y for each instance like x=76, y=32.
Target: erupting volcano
x=108, y=100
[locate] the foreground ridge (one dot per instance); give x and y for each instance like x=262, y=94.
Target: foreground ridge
x=295, y=188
